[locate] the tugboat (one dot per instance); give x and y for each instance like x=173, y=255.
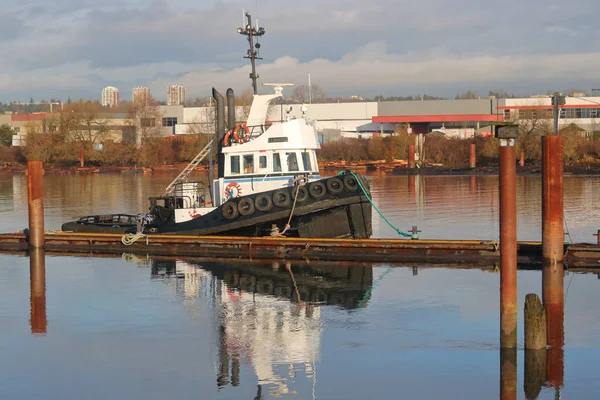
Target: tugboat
x=268, y=182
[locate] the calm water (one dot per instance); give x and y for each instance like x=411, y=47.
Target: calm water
x=138, y=327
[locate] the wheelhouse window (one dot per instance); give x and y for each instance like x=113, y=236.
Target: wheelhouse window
x=292, y=162
x=276, y=162
x=235, y=165
x=262, y=162
x=249, y=163
x=306, y=161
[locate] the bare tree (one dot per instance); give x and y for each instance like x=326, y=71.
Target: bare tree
x=469, y=94
x=302, y=94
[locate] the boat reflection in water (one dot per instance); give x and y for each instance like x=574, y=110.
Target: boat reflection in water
x=268, y=313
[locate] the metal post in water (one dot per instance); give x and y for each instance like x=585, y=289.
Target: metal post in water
x=522, y=159
x=411, y=156
x=552, y=199
x=81, y=158
x=553, y=298
x=35, y=179
x=472, y=155
x=598, y=236
x=37, y=279
x=508, y=244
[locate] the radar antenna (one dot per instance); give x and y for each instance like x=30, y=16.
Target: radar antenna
x=252, y=32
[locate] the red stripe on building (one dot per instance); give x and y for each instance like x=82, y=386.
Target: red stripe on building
x=439, y=118
x=547, y=107
x=27, y=117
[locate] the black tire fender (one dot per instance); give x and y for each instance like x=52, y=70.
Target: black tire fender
x=300, y=193
x=246, y=207
x=335, y=185
x=317, y=190
x=229, y=210
x=281, y=198
x=350, y=183
x=263, y=202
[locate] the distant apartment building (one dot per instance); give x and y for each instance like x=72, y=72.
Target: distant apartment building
x=175, y=95
x=140, y=95
x=110, y=96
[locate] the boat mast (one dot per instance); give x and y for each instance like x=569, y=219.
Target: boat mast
x=252, y=32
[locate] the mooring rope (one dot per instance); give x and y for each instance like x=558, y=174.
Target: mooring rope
x=401, y=233
x=131, y=238
x=288, y=266
x=275, y=231
x=373, y=286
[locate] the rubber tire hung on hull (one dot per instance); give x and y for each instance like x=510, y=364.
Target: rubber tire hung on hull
x=281, y=198
x=300, y=193
x=263, y=202
x=246, y=206
x=229, y=210
x=350, y=183
x=335, y=185
x=317, y=190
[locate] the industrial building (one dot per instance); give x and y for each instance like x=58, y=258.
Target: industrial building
x=457, y=118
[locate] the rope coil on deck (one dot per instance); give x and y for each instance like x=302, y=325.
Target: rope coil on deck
x=131, y=238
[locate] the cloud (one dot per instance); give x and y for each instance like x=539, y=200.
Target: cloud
x=372, y=70
x=352, y=45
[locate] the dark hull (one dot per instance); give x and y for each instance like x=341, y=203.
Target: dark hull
x=338, y=211
x=343, y=213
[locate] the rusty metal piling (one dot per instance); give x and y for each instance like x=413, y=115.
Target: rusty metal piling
x=522, y=159
x=472, y=155
x=411, y=156
x=552, y=199
x=35, y=173
x=37, y=279
x=508, y=245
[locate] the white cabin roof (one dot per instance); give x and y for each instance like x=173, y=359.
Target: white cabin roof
x=297, y=133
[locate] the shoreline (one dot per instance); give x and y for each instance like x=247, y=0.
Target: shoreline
x=391, y=168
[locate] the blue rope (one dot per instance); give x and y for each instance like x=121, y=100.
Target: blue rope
x=370, y=289
x=401, y=233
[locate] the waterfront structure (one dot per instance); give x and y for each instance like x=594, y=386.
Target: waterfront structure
x=110, y=96
x=140, y=95
x=175, y=95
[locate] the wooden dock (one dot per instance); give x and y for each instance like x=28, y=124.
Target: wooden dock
x=371, y=250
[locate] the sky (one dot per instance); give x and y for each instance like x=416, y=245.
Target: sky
x=74, y=48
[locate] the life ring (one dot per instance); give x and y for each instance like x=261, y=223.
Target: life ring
x=227, y=138
x=233, y=296
x=233, y=190
x=241, y=133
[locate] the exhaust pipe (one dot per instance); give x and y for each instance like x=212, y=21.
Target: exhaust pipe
x=230, y=109
x=220, y=131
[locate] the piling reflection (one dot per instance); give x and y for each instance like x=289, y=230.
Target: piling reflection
x=508, y=373
x=535, y=373
x=553, y=297
x=269, y=313
x=37, y=279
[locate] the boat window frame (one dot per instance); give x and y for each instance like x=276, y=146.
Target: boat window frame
x=306, y=158
x=231, y=165
x=262, y=157
x=287, y=161
x=277, y=156
x=245, y=158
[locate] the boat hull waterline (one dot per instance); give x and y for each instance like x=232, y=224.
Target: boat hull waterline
x=335, y=207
